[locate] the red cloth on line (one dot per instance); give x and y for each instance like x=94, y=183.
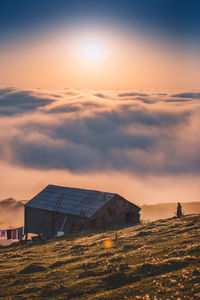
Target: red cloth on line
x=13, y=234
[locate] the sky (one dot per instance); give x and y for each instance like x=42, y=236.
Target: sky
x=144, y=43
x=102, y=95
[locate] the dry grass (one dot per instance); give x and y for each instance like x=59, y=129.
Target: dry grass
x=158, y=260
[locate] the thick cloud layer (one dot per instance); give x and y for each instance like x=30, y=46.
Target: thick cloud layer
x=194, y=95
x=138, y=132
x=14, y=102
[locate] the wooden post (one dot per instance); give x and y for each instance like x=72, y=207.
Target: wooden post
x=25, y=232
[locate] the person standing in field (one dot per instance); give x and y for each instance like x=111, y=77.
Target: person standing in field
x=179, y=210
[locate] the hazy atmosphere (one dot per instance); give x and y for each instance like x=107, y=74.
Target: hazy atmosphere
x=102, y=95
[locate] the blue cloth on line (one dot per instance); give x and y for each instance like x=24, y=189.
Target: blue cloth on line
x=20, y=233
x=9, y=234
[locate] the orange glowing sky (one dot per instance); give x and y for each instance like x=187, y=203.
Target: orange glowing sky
x=127, y=60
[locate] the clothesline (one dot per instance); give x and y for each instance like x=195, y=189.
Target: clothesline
x=12, y=234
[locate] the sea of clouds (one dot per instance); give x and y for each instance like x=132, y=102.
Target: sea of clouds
x=141, y=133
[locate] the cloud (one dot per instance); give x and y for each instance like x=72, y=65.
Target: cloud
x=193, y=95
x=177, y=100
x=100, y=95
x=64, y=108
x=132, y=94
x=13, y=101
x=77, y=132
x=6, y=90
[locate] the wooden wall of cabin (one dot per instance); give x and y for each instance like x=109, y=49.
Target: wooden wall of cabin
x=37, y=221
x=74, y=224
x=117, y=211
x=40, y=221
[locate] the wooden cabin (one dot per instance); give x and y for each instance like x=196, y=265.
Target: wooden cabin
x=63, y=209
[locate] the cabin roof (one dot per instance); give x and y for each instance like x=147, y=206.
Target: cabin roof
x=73, y=201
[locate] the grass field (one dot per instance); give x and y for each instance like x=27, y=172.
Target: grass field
x=158, y=260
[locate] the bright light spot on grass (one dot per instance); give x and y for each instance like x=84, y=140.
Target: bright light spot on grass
x=107, y=243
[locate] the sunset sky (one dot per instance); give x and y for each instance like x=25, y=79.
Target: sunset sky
x=101, y=94
x=144, y=44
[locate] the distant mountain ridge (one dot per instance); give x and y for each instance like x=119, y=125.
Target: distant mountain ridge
x=11, y=203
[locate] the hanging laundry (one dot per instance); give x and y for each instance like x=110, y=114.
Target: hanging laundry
x=2, y=233
x=9, y=234
x=20, y=233
x=13, y=234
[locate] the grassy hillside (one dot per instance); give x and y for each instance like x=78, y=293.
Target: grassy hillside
x=158, y=260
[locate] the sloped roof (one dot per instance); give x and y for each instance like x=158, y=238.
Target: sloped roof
x=74, y=200
x=71, y=200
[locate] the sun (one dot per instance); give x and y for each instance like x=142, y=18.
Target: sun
x=91, y=51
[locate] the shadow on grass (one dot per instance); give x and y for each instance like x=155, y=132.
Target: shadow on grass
x=119, y=278
x=63, y=262
x=149, y=269
x=143, y=233
x=33, y=268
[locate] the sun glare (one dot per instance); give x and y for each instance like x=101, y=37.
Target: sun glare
x=91, y=51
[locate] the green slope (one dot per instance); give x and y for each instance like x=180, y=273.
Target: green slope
x=158, y=260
